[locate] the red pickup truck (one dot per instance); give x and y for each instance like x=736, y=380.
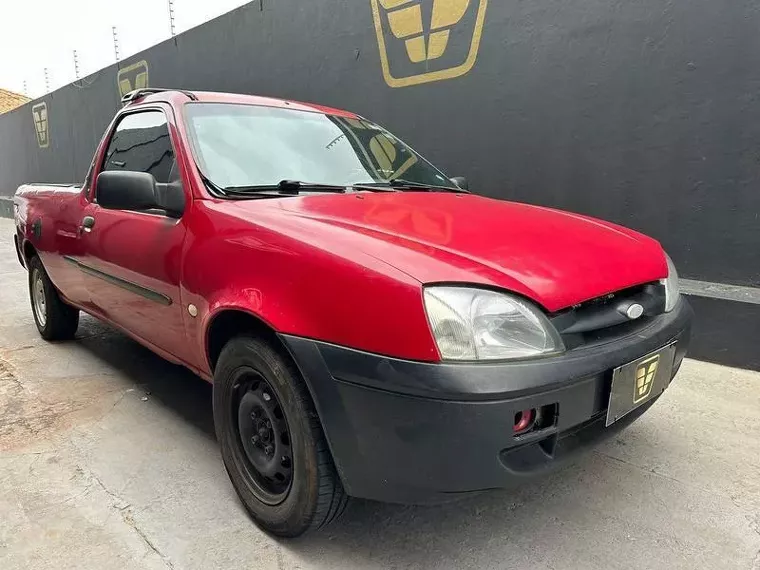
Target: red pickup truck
x=370, y=327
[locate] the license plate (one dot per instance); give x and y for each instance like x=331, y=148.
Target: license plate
x=637, y=382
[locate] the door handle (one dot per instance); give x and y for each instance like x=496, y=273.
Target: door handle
x=87, y=224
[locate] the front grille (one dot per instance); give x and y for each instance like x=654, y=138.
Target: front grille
x=604, y=318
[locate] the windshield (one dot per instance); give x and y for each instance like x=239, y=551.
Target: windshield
x=246, y=145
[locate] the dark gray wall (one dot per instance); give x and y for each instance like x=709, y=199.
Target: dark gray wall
x=646, y=113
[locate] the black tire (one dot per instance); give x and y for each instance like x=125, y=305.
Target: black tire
x=54, y=318
x=291, y=502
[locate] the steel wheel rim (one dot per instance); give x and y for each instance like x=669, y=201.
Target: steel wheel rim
x=263, y=448
x=38, y=298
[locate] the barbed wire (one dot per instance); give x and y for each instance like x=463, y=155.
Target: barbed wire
x=83, y=83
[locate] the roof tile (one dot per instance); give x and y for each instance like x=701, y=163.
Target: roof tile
x=10, y=100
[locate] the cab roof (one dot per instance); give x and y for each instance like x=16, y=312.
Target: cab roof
x=178, y=98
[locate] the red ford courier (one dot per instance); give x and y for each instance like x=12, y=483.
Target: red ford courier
x=371, y=328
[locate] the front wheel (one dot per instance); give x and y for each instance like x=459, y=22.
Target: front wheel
x=271, y=440
x=55, y=319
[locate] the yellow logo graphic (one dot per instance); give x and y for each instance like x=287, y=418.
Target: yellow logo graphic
x=132, y=77
x=427, y=40
x=645, y=373
x=41, y=125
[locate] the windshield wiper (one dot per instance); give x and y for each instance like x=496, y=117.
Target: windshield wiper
x=413, y=184
x=294, y=188
x=284, y=187
x=291, y=188
x=221, y=192
x=401, y=184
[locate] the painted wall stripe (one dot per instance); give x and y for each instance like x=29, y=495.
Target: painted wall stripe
x=724, y=291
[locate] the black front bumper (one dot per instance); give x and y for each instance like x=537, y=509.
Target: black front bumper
x=414, y=432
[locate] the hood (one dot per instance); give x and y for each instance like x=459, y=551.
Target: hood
x=555, y=258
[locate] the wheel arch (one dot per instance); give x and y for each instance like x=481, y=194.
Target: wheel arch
x=229, y=322
x=28, y=251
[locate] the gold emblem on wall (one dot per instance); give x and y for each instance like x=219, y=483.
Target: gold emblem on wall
x=427, y=40
x=41, y=124
x=645, y=373
x=132, y=77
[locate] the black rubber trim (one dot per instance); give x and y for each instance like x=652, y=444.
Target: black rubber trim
x=18, y=251
x=149, y=294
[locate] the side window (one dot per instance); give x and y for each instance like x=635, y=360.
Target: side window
x=141, y=143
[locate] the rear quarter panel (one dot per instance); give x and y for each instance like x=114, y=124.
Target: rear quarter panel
x=47, y=217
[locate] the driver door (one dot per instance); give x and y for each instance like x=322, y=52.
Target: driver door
x=134, y=258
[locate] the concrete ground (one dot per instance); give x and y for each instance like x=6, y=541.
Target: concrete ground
x=108, y=460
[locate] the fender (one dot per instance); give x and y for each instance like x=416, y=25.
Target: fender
x=288, y=278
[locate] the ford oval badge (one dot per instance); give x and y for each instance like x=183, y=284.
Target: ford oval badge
x=634, y=311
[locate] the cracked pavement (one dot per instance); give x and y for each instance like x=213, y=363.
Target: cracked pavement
x=108, y=459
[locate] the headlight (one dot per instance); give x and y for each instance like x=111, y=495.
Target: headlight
x=475, y=324
x=671, y=286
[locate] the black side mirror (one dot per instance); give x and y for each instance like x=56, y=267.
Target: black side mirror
x=171, y=196
x=128, y=190
x=461, y=181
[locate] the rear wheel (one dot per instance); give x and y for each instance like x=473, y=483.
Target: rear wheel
x=271, y=440
x=54, y=318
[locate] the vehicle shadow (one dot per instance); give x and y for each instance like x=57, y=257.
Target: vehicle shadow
x=178, y=389
x=516, y=528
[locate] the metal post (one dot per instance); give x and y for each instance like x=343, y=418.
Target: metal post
x=47, y=81
x=76, y=65
x=26, y=91
x=171, y=17
x=115, y=42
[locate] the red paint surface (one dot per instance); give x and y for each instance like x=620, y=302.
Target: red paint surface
x=342, y=268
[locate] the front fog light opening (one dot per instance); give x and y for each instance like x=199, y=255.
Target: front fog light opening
x=535, y=419
x=524, y=421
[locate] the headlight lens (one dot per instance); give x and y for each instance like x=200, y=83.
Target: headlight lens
x=672, y=292
x=475, y=324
